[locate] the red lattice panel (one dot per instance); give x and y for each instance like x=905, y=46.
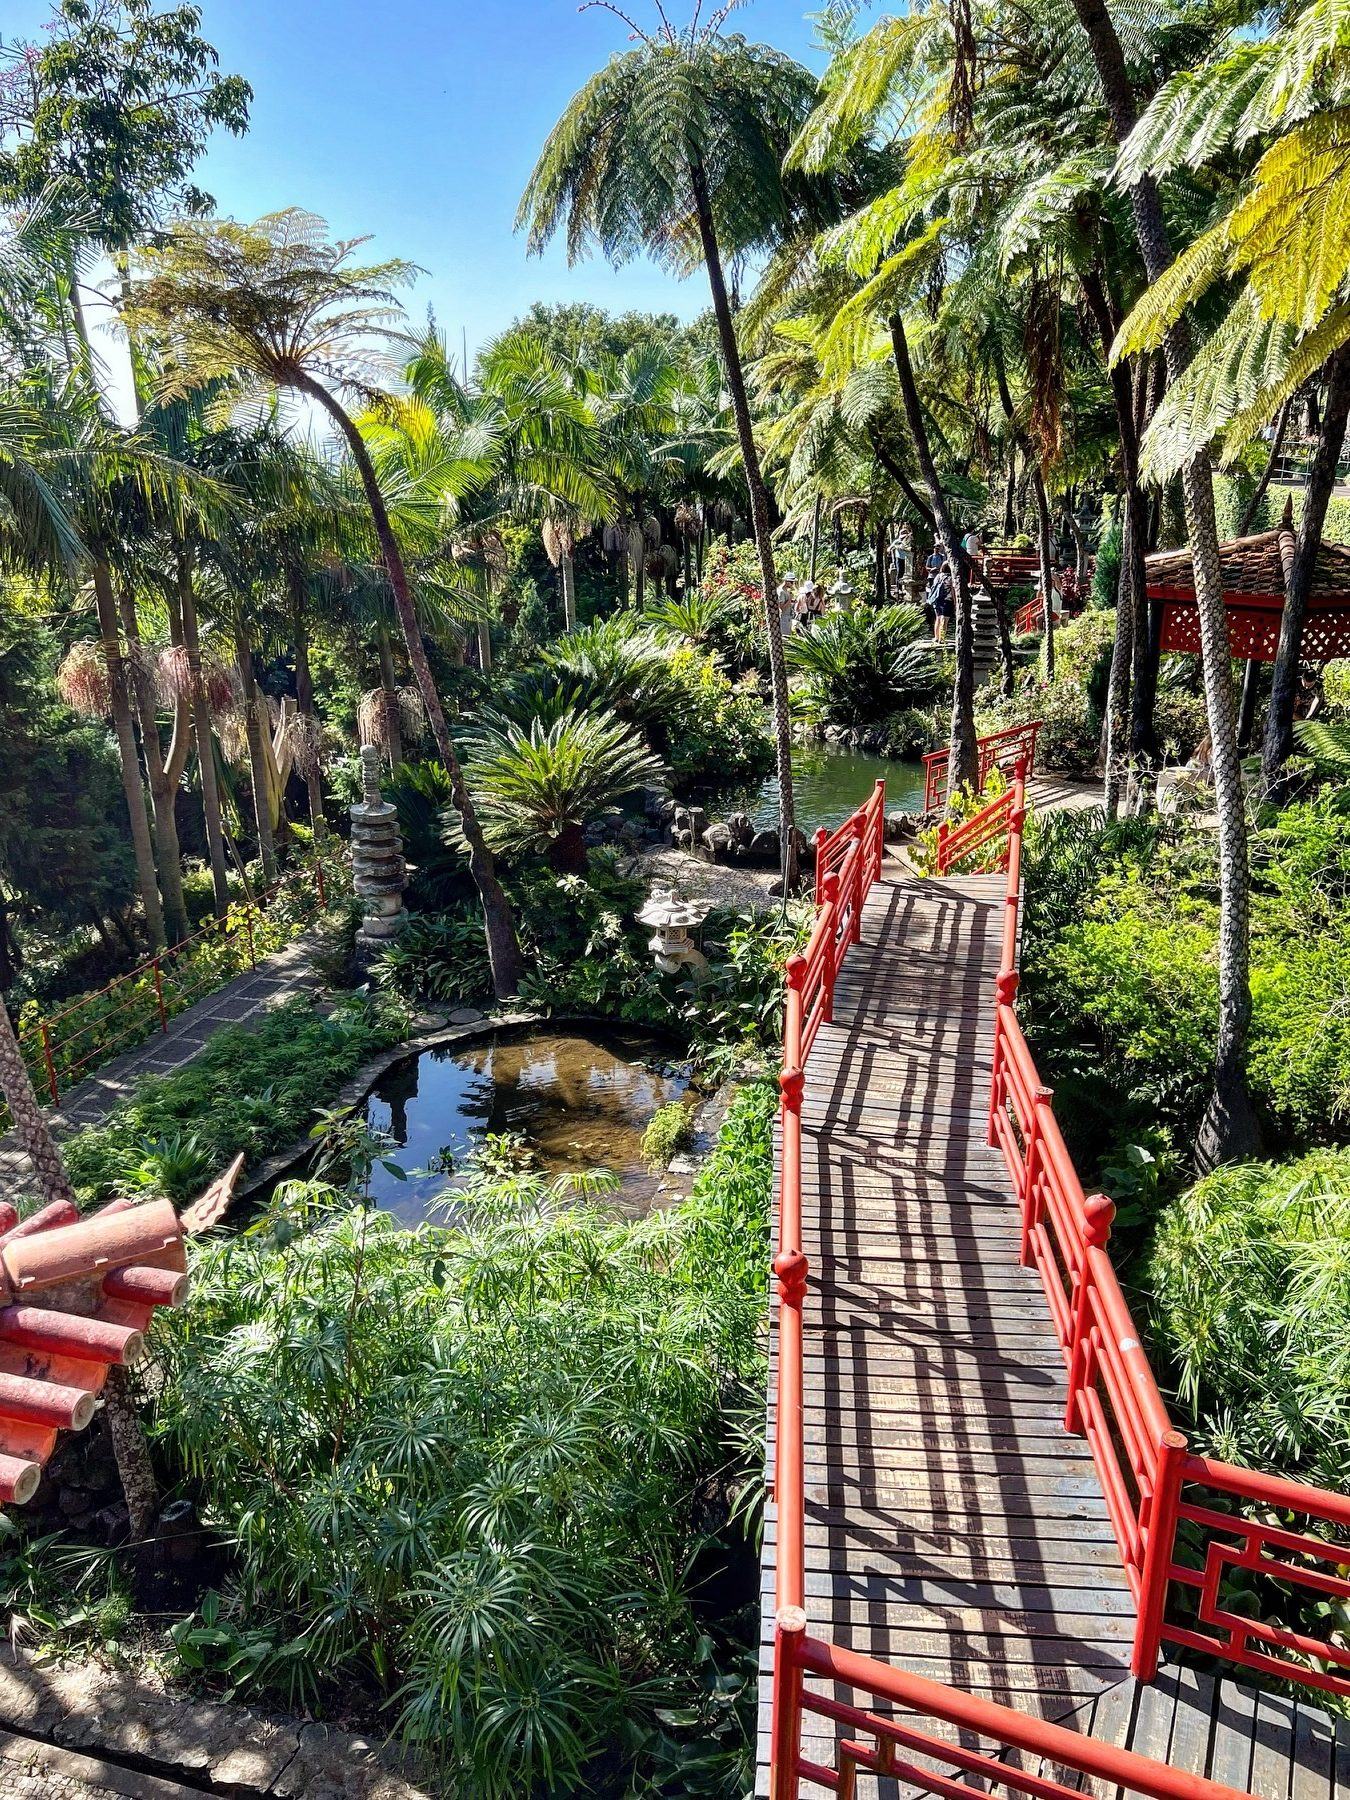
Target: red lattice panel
x=1254, y=629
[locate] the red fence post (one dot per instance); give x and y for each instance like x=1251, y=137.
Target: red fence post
x=50, y=1061
x=786, y=1737
x=1159, y=1536
x=1098, y=1213
x=857, y=880
x=1031, y=1169
x=822, y=838
x=159, y=996
x=831, y=901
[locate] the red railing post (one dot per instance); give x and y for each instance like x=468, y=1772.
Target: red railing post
x=943, y=860
x=857, y=881
x=1031, y=1170
x=159, y=995
x=830, y=903
x=1098, y=1213
x=785, y=1753
x=50, y=1061
x=1159, y=1532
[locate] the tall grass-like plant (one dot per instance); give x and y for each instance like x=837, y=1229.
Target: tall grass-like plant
x=1250, y=1274
x=475, y=1469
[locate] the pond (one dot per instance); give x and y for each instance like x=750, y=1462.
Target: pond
x=581, y=1099
x=828, y=785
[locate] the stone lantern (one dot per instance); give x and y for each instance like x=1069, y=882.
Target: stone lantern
x=379, y=874
x=672, y=920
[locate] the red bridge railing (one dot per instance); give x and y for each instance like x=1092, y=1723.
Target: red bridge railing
x=1183, y=1523
x=895, y=1723
x=999, y=750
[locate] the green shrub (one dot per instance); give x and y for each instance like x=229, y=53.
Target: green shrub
x=671, y=1129
x=1250, y=1276
x=438, y=959
x=858, y=667
x=251, y=1089
x=482, y=1473
x=1070, y=733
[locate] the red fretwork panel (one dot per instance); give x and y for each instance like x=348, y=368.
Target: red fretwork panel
x=1255, y=573
x=1254, y=628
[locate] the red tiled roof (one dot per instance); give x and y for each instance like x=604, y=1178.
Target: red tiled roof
x=1254, y=565
x=76, y=1296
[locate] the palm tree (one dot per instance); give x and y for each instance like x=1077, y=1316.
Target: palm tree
x=278, y=303
x=675, y=150
x=1229, y=1131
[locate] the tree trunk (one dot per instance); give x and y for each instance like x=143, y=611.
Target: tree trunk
x=259, y=773
x=1005, y=650
x=1279, y=741
x=485, y=646
x=1047, y=567
x=498, y=922
x=393, y=732
x=879, y=567
x=815, y=537
x=759, y=519
x=132, y=787
x=1010, y=497
x=567, y=568
x=1253, y=506
x=964, y=758
x=163, y=773
x=202, y=734
x=1229, y=1128
x=304, y=693
x=40, y=1147
x=1247, y=704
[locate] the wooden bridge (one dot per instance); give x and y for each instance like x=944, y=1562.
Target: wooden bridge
x=950, y=1603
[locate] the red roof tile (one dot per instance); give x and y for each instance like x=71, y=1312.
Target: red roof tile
x=76, y=1296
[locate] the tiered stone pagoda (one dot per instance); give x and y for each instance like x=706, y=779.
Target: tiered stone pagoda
x=379, y=873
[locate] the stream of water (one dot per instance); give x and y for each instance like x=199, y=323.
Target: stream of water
x=828, y=784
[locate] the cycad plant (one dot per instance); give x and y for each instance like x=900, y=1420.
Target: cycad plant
x=860, y=667
x=538, y=789
x=675, y=150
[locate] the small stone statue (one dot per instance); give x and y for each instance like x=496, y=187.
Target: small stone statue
x=379, y=874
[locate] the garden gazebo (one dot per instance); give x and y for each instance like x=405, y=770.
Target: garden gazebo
x=1255, y=571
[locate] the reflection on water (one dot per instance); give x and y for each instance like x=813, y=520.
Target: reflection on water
x=828, y=784
x=581, y=1101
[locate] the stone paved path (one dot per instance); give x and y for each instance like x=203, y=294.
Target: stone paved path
x=244, y=999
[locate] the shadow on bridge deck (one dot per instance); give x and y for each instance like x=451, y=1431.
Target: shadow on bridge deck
x=953, y=1527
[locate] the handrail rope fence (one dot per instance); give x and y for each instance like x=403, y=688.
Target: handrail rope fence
x=1001, y=750
x=61, y=1047
x=1179, y=1545
x=890, y=1732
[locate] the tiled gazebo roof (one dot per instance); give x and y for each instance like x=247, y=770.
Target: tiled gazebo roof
x=1254, y=574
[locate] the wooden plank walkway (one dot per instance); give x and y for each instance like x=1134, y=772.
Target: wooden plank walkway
x=953, y=1527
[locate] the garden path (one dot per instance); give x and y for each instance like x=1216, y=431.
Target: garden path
x=953, y=1527
x=278, y=977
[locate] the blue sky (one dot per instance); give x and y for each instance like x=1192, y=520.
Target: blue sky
x=419, y=121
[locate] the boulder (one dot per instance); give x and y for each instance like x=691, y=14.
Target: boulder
x=717, y=840
x=740, y=827
x=766, y=843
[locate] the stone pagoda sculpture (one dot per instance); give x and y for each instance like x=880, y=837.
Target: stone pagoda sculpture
x=379, y=874
x=672, y=921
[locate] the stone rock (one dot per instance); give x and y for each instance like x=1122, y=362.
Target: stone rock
x=766, y=843
x=465, y=1015
x=338, y=1765
x=740, y=827
x=698, y=821
x=718, y=840
x=684, y=838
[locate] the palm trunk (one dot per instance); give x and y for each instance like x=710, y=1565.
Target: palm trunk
x=759, y=519
x=1279, y=741
x=132, y=787
x=393, y=735
x=815, y=537
x=1010, y=497
x=304, y=691
x=964, y=760
x=567, y=569
x=1253, y=506
x=485, y=646
x=1229, y=1129
x=1047, y=566
x=163, y=778
x=40, y=1147
x=498, y=922
x=202, y=734
x=259, y=773
x=879, y=566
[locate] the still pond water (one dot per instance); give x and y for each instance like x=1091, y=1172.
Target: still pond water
x=829, y=784
x=580, y=1099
